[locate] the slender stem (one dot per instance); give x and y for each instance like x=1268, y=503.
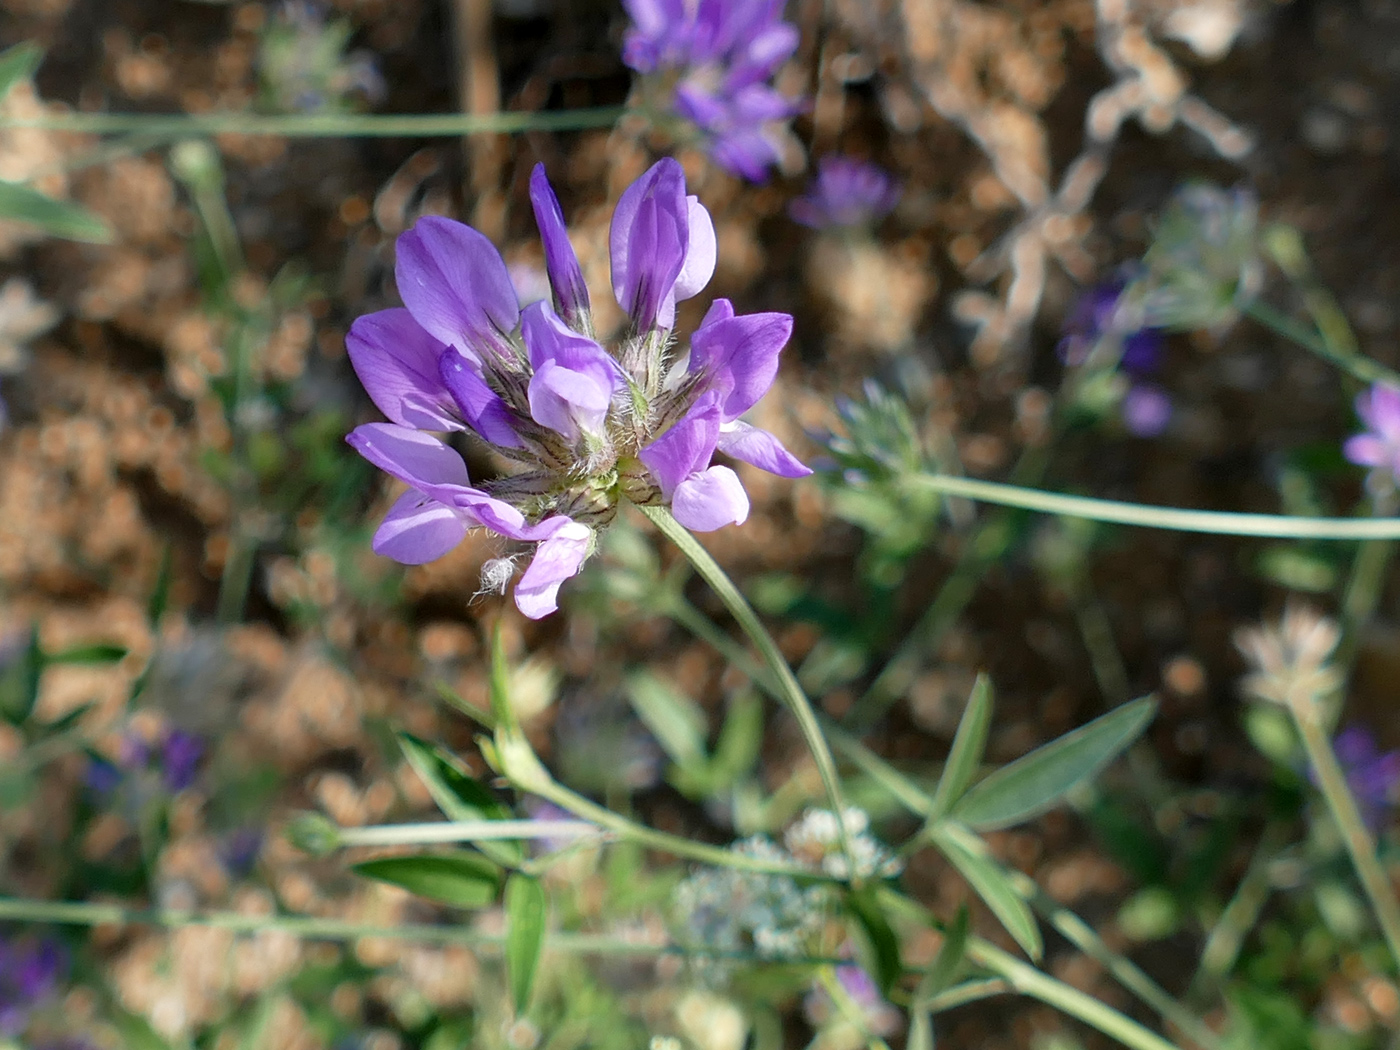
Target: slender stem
x=1223, y=943
x=1364, y=584
x=700, y=625
x=967, y=992
x=465, y=831
x=1355, y=834
x=1354, y=364
x=78, y=913
x=1218, y=523
x=326, y=125
x=792, y=695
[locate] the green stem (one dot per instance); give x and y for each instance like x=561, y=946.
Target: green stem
x=1212, y=522
x=1354, y=364
x=1223, y=943
x=700, y=625
x=967, y=992
x=464, y=831
x=792, y=695
x=65, y=913
x=328, y=125
x=1358, y=839
x=1364, y=584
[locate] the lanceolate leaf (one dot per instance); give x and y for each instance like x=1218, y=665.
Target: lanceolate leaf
x=967, y=853
x=526, y=910
x=884, y=944
x=968, y=745
x=54, y=217
x=464, y=880
x=1036, y=782
x=19, y=681
x=87, y=654
x=458, y=795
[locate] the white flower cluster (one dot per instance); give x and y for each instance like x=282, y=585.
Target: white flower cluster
x=734, y=911
x=816, y=840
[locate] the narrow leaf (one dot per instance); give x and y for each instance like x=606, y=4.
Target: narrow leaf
x=740, y=738
x=674, y=719
x=969, y=855
x=526, y=908
x=87, y=654
x=54, y=217
x=464, y=880
x=1036, y=782
x=19, y=681
x=18, y=63
x=884, y=944
x=458, y=794
x=968, y=745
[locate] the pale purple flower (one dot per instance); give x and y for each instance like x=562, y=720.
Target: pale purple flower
x=878, y=1015
x=718, y=57
x=846, y=194
x=180, y=754
x=1379, y=445
x=1374, y=778
x=581, y=425
x=31, y=970
x=1100, y=313
x=1147, y=410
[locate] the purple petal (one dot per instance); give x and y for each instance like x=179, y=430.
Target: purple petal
x=568, y=402
x=686, y=447
x=415, y=458
x=648, y=240
x=482, y=406
x=456, y=285
x=1379, y=409
x=547, y=338
x=556, y=559
x=710, y=500
x=397, y=362
x=701, y=254
x=1367, y=450
x=565, y=274
x=760, y=448
x=1147, y=410
x=418, y=529
x=740, y=356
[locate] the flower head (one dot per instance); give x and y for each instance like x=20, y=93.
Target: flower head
x=716, y=58
x=1290, y=661
x=847, y=193
x=580, y=425
x=1374, y=778
x=1379, y=444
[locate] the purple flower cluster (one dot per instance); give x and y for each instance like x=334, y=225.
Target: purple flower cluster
x=581, y=425
x=30, y=972
x=1374, y=778
x=846, y=194
x=1379, y=445
x=1098, y=315
x=175, y=758
x=722, y=54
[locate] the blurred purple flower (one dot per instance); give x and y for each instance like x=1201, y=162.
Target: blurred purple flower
x=239, y=850
x=30, y=972
x=1098, y=314
x=1146, y=410
x=846, y=193
x=180, y=754
x=879, y=1016
x=1379, y=445
x=584, y=425
x=1374, y=778
x=102, y=777
x=724, y=54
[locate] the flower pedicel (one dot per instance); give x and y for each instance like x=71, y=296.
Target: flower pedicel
x=581, y=425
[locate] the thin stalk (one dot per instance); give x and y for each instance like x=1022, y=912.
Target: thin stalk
x=1223, y=942
x=1212, y=522
x=66, y=913
x=1353, y=364
x=325, y=125
x=700, y=625
x=1364, y=584
x=967, y=992
x=792, y=695
x=465, y=831
x=1359, y=842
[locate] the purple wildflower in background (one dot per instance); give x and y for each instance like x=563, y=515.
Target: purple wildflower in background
x=723, y=54
x=847, y=193
x=1098, y=315
x=30, y=972
x=1379, y=445
x=879, y=1016
x=582, y=426
x=1374, y=778
x=175, y=759
x=180, y=753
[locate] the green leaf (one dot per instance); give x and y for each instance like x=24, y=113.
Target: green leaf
x=1036, y=782
x=160, y=594
x=675, y=720
x=526, y=908
x=464, y=880
x=18, y=63
x=19, y=681
x=458, y=794
x=54, y=217
x=884, y=944
x=969, y=855
x=969, y=743
x=740, y=738
x=87, y=654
